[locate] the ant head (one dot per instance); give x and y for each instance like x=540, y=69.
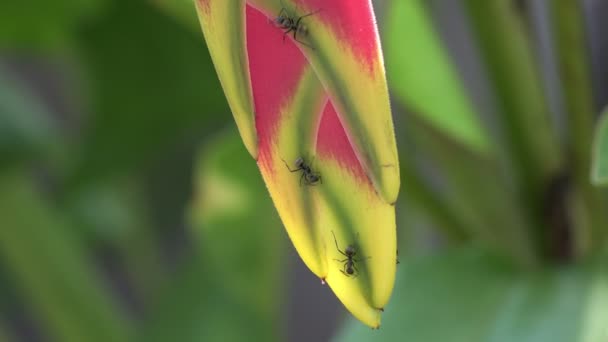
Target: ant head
x=300, y=162
x=350, y=250
x=350, y=270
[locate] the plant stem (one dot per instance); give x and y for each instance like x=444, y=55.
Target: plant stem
x=477, y=194
x=569, y=37
x=530, y=140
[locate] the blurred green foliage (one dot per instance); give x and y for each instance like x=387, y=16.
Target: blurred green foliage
x=47, y=262
x=465, y=295
x=230, y=289
x=135, y=213
x=44, y=25
x=600, y=151
x=151, y=67
x=26, y=128
x=419, y=70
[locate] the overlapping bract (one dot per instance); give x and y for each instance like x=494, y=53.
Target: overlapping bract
x=324, y=100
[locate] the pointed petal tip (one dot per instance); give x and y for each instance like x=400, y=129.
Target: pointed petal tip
x=251, y=143
x=390, y=183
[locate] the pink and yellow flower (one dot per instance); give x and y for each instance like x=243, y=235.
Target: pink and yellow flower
x=323, y=99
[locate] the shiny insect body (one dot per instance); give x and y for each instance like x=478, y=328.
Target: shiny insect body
x=294, y=25
x=309, y=177
x=349, y=264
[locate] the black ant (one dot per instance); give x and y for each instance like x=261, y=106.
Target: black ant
x=350, y=268
x=308, y=176
x=293, y=24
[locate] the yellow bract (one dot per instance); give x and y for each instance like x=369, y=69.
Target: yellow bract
x=223, y=24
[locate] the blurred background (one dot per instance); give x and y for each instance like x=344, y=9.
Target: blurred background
x=130, y=209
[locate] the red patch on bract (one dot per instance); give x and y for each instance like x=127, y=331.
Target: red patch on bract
x=352, y=21
x=276, y=68
x=333, y=143
x=203, y=5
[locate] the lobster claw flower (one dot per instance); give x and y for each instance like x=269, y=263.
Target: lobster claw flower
x=305, y=81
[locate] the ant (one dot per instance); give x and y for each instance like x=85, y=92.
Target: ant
x=293, y=24
x=350, y=269
x=308, y=176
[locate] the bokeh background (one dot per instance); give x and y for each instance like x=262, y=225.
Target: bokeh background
x=130, y=210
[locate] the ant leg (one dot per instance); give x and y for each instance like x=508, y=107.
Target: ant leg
x=336, y=241
x=284, y=7
x=302, y=178
x=303, y=43
x=345, y=271
x=361, y=260
x=283, y=11
x=286, y=32
x=308, y=15
x=288, y=168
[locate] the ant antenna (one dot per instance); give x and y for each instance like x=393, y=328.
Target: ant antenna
x=336, y=242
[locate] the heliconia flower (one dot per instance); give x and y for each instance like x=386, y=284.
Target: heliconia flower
x=312, y=107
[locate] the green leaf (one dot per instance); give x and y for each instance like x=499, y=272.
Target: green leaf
x=182, y=10
x=153, y=87
x=41, y=24
x=425, y=80
x=51, y=269
x=230, y=290
x=599, y=169
x=26, y=128
x=468, y=296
